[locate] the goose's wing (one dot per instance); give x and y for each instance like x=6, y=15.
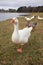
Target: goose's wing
x=25, y=34
x=25, y=30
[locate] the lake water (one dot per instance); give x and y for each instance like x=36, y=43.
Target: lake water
x=4, y=16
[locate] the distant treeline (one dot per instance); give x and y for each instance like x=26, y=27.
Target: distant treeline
x=24, y=9
x=9, y=10
x=30, y=9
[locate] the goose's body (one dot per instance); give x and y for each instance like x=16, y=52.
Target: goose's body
x=21, y=36
x=40, y=18
x=28, y=19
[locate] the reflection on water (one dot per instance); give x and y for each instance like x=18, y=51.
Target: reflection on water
x=4, y=16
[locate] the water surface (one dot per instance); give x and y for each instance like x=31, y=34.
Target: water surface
x=4, y=16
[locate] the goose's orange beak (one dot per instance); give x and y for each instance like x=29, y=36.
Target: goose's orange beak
x=12, y=20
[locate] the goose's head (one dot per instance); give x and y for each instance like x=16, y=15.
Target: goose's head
x=14, y=20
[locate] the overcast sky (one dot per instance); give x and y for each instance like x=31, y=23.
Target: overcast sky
x=6, y=4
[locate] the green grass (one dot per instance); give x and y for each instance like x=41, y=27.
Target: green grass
x=32, y=51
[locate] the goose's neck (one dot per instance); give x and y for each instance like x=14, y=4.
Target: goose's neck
x=15, y=27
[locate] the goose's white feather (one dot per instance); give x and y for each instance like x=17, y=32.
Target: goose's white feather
x=32, y=17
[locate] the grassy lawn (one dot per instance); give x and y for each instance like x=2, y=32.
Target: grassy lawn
x=32, y=51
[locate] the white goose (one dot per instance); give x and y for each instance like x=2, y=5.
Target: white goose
x=28, y=19
x=40, y=18
x=21, y=36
